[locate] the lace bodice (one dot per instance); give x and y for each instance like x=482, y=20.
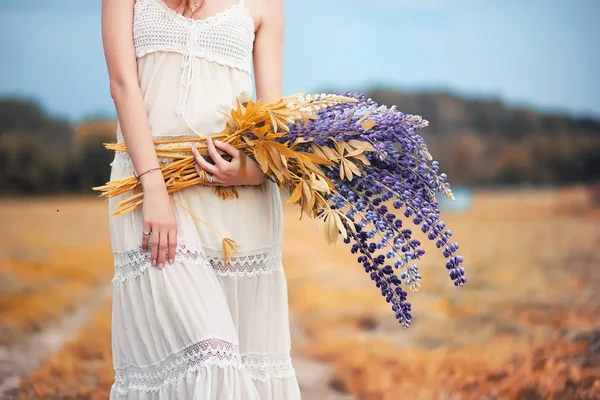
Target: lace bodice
x=226, y=38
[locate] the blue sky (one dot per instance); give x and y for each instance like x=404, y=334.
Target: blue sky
x=539, y=53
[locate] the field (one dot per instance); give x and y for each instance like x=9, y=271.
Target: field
x=526, y=326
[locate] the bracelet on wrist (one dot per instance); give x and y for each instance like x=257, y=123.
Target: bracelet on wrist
x=148, y=171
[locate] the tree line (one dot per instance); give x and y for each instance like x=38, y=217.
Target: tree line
x=478, y=142
x=481, y=141
x=40, y=154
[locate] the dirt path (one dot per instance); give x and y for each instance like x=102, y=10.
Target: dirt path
x=313, y=376
x=27, y=354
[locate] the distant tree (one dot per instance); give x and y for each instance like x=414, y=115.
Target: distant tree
x=29, y=118
x=93, y=166
x=28, y=166
x=20, y=115
x=513, y=165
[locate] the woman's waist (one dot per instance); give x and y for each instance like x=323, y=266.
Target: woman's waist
x=175, y=106
x=176, y=144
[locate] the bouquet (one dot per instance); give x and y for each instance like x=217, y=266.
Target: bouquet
x=359, y=167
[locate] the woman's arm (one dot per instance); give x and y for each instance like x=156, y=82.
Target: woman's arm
x=117, y=37
x=268, y=50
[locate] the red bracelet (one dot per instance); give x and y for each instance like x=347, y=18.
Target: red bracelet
x=145, y=172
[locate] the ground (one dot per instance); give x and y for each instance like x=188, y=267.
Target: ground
x=526, y=326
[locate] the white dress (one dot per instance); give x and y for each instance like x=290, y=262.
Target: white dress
x=198, y=329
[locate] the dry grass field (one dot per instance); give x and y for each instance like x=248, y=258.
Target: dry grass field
x=526, y=326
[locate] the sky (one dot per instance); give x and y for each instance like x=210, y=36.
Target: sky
x=543, y=54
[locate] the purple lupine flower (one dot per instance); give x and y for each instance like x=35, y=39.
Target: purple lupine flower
x=401, y=172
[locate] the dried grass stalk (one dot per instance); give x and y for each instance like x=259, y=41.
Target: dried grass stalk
x=255, y=129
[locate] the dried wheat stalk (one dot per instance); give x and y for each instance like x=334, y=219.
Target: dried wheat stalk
x=254, y=128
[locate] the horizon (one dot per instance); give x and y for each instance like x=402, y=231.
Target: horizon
x=544, y=60
x=110, y=115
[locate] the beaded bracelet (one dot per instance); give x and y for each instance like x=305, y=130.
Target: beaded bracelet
x=145, y=172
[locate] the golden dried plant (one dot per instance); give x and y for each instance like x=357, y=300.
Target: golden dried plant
x=254, y=128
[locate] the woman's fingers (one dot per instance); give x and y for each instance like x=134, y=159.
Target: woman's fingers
x=162, y=250
x=146, y=235
x=222, y=169
x=172, y=241
x=204, y=165
x=211, y=180
x=154, y=247
x=214, y=154
x=227, y=148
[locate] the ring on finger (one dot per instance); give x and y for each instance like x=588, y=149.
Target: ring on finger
x=147, y=233
x=210, y=178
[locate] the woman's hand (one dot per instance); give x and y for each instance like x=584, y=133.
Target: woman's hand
x=160, y=225
x=227, y=173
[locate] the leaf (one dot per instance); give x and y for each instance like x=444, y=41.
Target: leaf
x=359, y=149
x=276, y=165
x=309, y=198
x=340, y=224
x=273, y=122
x=283, y=124
x=340, y=147
x=353, y=168
x=296, y=195
x=300, y=140
x=248, y=141
x=227, y=192
x=364, y=117
x=319, y=185
x=230, y=249
x=332, y=228
x=261, y=157
x=314, y=158
x=318, y=151
x=366, y=125
x=362, y=158
x=351, y=116
x=243, y=162
x=334, y=224
x=348, y=169
x=328, y=152
x=284, y=161
x=359, y=144
x=327, y=181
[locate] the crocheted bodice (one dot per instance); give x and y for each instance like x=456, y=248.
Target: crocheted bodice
x=225, y=41
x=226, y=38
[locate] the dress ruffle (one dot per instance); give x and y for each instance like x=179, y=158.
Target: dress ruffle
x=159, y=313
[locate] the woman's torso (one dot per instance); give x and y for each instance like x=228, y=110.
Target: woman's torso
x=192, y=71
x=199, y=68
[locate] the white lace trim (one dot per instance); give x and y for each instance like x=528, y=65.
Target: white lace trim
x=203, y=354
x=226, y=38
x=247, y=263
x=123, y=159
x=154, y=377
x=264, y=367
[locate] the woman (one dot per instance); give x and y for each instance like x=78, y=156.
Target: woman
x=185, y=326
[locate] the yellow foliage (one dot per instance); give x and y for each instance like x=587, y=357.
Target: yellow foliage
x=498, y=337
